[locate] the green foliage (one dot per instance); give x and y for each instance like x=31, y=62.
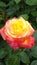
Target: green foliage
x=34, y=13
x=17, y=1
x=31, y=2
x=25, y=16
x=35, y=35
x=36, y=19
x=34, y=62
x=18, y=8
x=1, y=63
x=3, y=53
x=34, y=52
x=2, y=4
x=12, y=59
x=24, y=58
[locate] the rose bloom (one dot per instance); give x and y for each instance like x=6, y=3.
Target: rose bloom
x=18, y=33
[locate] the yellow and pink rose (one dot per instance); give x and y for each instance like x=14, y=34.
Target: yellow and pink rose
x=18, y=33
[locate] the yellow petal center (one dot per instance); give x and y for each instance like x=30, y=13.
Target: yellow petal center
x=19, y=27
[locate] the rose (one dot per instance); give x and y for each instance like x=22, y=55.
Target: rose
x=18, y=33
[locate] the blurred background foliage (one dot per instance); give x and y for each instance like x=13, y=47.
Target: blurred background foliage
x=16, y=8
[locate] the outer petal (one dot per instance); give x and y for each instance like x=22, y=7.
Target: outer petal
x=2, y=31
x=14, y=43
x=29, y=28
x=27, y=44
x=11, y=41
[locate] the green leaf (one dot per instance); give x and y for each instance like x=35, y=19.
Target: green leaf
x=34, y=62
x=1, y=18
x=1, y=25
x=35, y=35
x=1, y=10
x=3, y=53
x=34, y=51
x=12, y=10
x=17, y=1
x=11, y=3
x=36, y=19
x=1, y=63
x=12, y=60
x=31, y=2
x=29, y=9
x=24, y=58
x=4, y=48
x=25, y=16
x=2, y=4
x=34, y=13
x=3, y=43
